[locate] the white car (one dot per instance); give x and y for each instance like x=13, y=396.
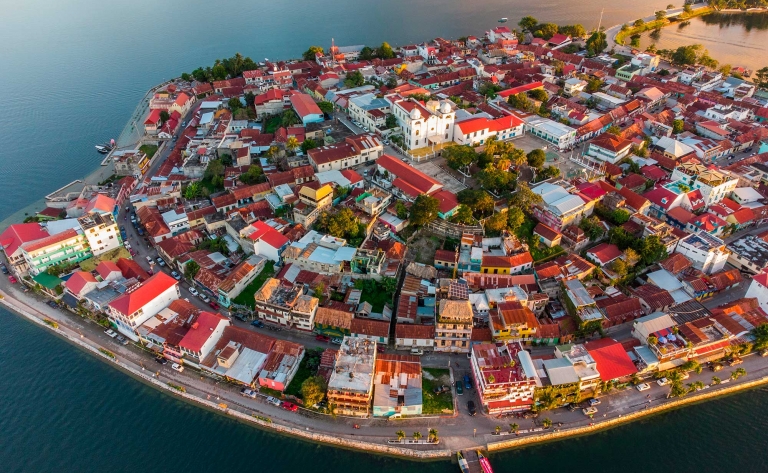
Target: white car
x=110, y=333
x=193, y=291
x=594, y=402
x=150, y=260
x=273, y=400
x=249, y=393
x=177, y=367
x=662, y=382
x=643, y=387
x=127, y=245
x=589, y=411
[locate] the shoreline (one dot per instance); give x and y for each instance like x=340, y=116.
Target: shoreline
x=361, y=445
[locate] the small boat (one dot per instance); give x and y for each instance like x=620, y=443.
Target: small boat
x=484, y=463
x=463, y=463
x=503, y=20
x=102, y=149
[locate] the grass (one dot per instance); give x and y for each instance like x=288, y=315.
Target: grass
x=541, y=253
x=149, y=150
x=113, y=255
x=246, y=297
x=633, y=30
x=272, y=124
x=304, y=372
x=436, y=403
x=377, y=298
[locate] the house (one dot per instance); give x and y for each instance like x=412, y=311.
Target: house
x=414, y=336
x=351, y=152
x=64, y=248
x=285, y=305
x=376, y=331
x=13, y=238
x=574, y=86
x=239, y=278
x=406, y=180
x=445, y=259
x=506, y=264
x=758, y=289
x=477, y=131
x=613, y=362
x=350, y=388
x=333, y=322
x=603, y=254
x=80, y=283
x=262, y=239
x=202, y=336
x=749, y=253
x=559, y=207
x=306, y=109
x=562, y=136
x=281, y=365
x=610, y=148
x=453, y=331
x=513, y=321
x=132, y=309
x=504, y=376
x=707, y=253
x=397, y=385
x=239, y=356
x=547, y=236
x=108, y=271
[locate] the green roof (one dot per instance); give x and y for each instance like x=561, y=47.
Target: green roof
x=47, y=281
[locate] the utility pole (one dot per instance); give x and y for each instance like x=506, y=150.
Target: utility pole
x=600, y=23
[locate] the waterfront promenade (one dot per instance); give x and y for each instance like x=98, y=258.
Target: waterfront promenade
x=456, y=432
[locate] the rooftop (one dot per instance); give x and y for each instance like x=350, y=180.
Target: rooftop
x=353, y=370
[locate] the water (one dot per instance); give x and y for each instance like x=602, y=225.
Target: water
x=738, y=39
x=71, y=74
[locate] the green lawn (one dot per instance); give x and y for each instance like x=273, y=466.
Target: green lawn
x=246, y=297
x=305, y=371
x=376, y=299
x=149, y=150
x=436, y=403
x=273, y=124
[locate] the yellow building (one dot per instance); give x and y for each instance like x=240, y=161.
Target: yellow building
x=506, y=264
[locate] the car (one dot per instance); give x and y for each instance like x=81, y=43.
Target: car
x=122, y=229
x=161, y=360
x=662, y=382
x=336, y=341
x=273, y=400
x=240, y=317
x=150, y=260
x=177, y=367
x=249, y=393
x=471, y=408
x=459, y=388
x=467, y=382
x=126, y=244
x=4, y=269
x=417, y=351
x=132, y=252
x=289, y=406
x=213, y=305
x=12, y=279
x=110, y=333
x=193, y=291
x=160, y=261
x=204, y=298
x=594, y=402
x=643, y=387
x=53, y=304
x=322, y=338
x=175, y=275
x=715, y=367
x=735, y=361
x=122, y=340
x=140, y=232
x=257, y=323
x=589, y=411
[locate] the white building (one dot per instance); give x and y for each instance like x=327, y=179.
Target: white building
x=574, y=86
x=176, y=220
x=101, y=231
x=551, y=131
x=706, y=252
x=477, y=130
x=759, y=290
x=369, y=110
x=713, y=184
x=425, y=125
x=203, y=335
x=132, y=309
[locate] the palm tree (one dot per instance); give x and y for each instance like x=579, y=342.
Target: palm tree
x=400, y=435
x=498, y=429
x=292, y=144
x=547, y=423
x=716, y=380
x=738, y=373
x=433, y=435
x=514, y=428
x=416, y=435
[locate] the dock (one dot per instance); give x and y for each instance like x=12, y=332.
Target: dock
x=473, y=462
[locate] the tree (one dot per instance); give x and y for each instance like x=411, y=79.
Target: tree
x=326, y=107
x=391, y=122
x=313, y=390
x=686, y=8
x=489, y=89
x=496, y=224
x=639, y=22
x=309, y=54
x=400, y=435
x=234, y=104
x=593, y=85
x=292, y=144
x=250, y=99
x=341, y=224
x=592, y=227
x=760, y=333
x=459, y=157
x=219, y=72
x=686, y=55
x=308, y=144
x=548, y=172
x=186, y=77
x=678, y=126
x=463, y=216
x=538, y=94
x=546, y=30
x=494, y=179
x=479, y=201
x=193, y=190
x=513, y=428
x=661, y=14
x=631, y=257
x=761, y=77
x=389, y=285
x=366, y=54
x=164, y=116
x=392, y=82
x=620, y=267
x=597, y=43
x=524, y=198
x=424, y=210
x=528, y=23
x=402, y=210
x=417, y=435
x=215, y=168
x=575, y=31
x=521, y=102
x=515, y=218
x=385, y=51
x=614, y=130
x=652, y=249
x=253, y=175
x=190, y=270
x=716, y=380
x=547, y=423
x=289, y=118
x=537, y=158
x=432, y=435
x=354, y=79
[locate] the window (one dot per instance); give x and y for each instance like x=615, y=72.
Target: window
x=417, y=132
x=446, y=126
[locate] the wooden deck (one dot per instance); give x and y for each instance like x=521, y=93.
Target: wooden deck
x=472, y=460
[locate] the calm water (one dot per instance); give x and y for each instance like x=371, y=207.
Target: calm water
x=71, y=74
x=738, y=39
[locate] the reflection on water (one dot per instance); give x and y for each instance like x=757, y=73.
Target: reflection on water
x=747, y=21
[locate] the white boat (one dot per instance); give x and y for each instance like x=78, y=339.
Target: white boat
x=463, y=463
x=102, y=149
x=503, y=20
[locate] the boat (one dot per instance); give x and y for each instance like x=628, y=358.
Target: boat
x=102, y=149
x=463, y=463
x=484, y=463
x=503, y=20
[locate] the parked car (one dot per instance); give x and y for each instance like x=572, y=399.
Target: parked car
x=273, y=400
x=177, y=367
x=467, y=382
x=684, y=375
x=589, y=411
x=53, y=304
x=161, y=360
x=336, y=341
x=4, y=269
x=322, y=338
x=175, y=275
x=471, y=408
x=594, y=402
x=122, y=340
x=662, y=382
x=150, y=260
x=459, y=388
x=257, y=323
x=213, y=305
x=160, y=261
x=110, y=333
x=249, y=393
x=193, y=291
x=12, y=279
x=716, y=367
x=132, y=252
x=643, y=387
x=204, y=298
x=289, y=406
x=441, y=389
x=417, y=351
x=735, y=361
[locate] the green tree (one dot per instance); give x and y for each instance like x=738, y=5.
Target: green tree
x=254, y=175
x=289, y=118
x=463, y=216
x=432, y=436
x=494, y=179
x=489, y=89
x=597, y=43
x=164, y=116
x=354, y=79
x=760, y=333
x=575, y=31
x=479, y=201
x=400, y=435
x=424, y=210
x=389, y=285
x=392, y=83
x=391, y=121
x=546, y=30
x=292, y=144
x=496, y=223
x=547, y=423
x=313, y=390
x=215, y=168
x=366, y=54
x=548, y=172
x=417, y=436
x=716, y=380
x=402, y=210
x=308, y=144
x=652, y=249
x=325, y=107
x=193, y=190
x=638, y=23
x=537, y=158
x=761, y=77
x=524, y=198
x=515, y=218
x=538, y=94
x=528, y=23
x=678, y=126
x=219, y=72
x=686, y=8
x=593, y=85
x=341, y=224
x=385, y=51
x=521, y=102
x=686, y=55
x=592, y=227
x=661, y=14
x=309, y=54
x=459, y=157
x=614, y=130
x=234, y=104
x=186, y=77
x=620, y=267
x=190, y=270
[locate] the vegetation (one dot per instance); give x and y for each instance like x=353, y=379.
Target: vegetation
x=223, y=68
x=354, y=79
x=309, y=54
x=342, y=224
x=307, y=369
x=149, y=150
x=214, y=245
x=596, y=43
x=436, y=403
x=190, y=270
x=246, y=297
x=537, y=158
x=313, y=390
x=377, y=293
x=424, y=210
x=688, y=56
x=254, y=175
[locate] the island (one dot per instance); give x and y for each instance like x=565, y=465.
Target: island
x=442, y=249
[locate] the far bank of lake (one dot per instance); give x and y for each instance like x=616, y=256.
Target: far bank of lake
x=738, y=39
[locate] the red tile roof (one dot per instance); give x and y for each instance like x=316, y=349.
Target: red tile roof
x=611, y=359
x=49, y=240
x=17, y=234
x=604, y=253
x=78, y=281
x=448, y=201
x=268, y=235
x=129, y=303
x=409, y=177
x=200, y=331
x=105, y=268
x=131, y=269
x=305, y=105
